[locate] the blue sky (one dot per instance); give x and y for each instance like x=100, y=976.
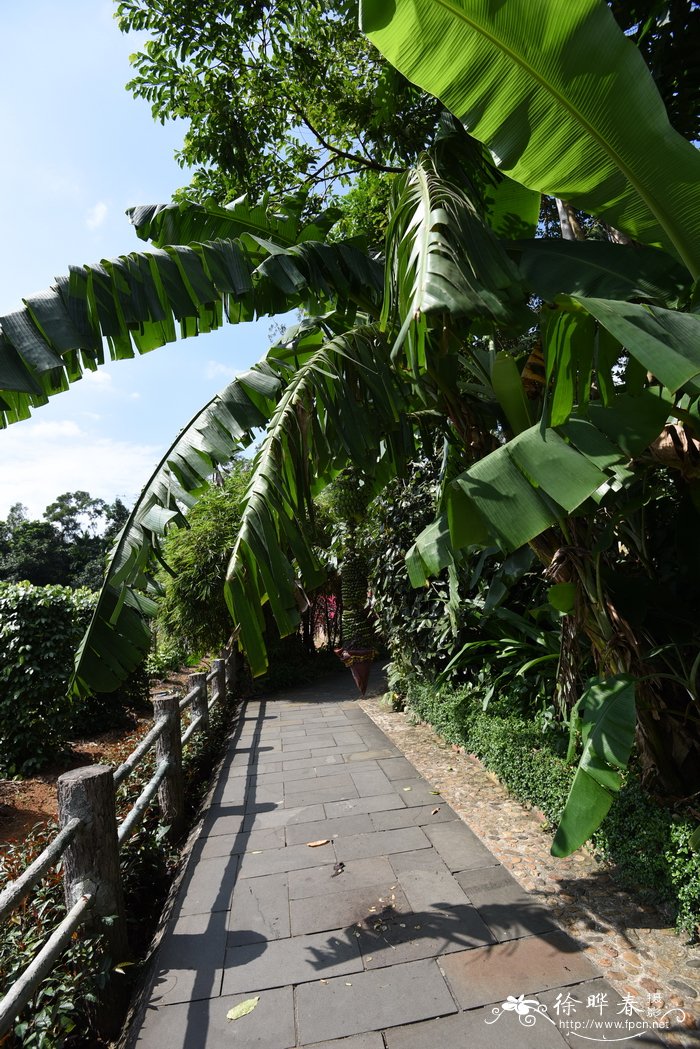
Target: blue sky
x=77, y=150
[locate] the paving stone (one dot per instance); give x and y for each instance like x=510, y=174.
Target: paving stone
x=295, y=960
x=322, y=794
x=279, y=817
x=190, y=960
x=371, y=1040
x=459, y=846
x=267, y=778
x=371, y=1001
x=424, y=860
x=379, y=803
x=333, y=770
x=335, y=829
x=230, y=791
x=436, y=930
x=347, y=909
x=430, y=890
x=347, y=736
x=398, y=768
x=259, y=910
x=340, y=778
x=535, y=963
x=269, y=794
x=309, y=762
x=416, y=792
x=337, y=750
x=268, y=757
x=269, y=1026
x=257, y=841
x=382, y=843
x=357, y=873
x=290, y=749
x=507, y=909
x=421, y=816
x=476, y=1029
x=371, y=783
x=223, y=819
x=292, y=858
x=375, y=754
x=208, y=884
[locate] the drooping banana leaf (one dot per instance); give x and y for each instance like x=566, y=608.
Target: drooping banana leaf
x=443, y=259
x=118, y=635
x=535, y=480
x=608, y=719
x=136, y=302
x=562, y=99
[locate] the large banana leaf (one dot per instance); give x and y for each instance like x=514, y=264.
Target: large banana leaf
x=136, y=302
x=601, y=270
x=443, y=259
x=563, y=101
x=118, y=635
x=608, y=719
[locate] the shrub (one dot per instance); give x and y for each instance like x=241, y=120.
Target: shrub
x=40, y=628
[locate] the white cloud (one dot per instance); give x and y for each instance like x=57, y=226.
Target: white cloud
x=214, y=369
x=41, y=460
x=98, y=378
x=96, y=215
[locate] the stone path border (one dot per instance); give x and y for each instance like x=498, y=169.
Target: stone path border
x=632, y=943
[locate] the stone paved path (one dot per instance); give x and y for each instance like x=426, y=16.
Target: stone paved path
x=397, y=929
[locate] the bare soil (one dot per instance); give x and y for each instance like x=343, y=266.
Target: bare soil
x=26, y=803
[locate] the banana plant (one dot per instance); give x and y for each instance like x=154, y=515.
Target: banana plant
x=562, y=104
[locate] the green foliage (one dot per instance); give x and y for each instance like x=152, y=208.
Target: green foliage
x=39, y=630
x=67, y=548
x=167, y=654
x=64, y=1006
x=275, y=97
x=607, y=721
x=193, y=611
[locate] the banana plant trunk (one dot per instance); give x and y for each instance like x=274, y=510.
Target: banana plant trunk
x=356, y=650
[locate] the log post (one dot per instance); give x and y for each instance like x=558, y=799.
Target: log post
x=232, y=669
x=200, y=707
x=91, y=865
x=171, y=793
x=219, y=691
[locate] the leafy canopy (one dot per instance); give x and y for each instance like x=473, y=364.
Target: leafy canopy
x=278, y=96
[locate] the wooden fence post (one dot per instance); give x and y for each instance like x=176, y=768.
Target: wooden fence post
x=171, y=793
x=91, y=864
x=200, y=706
x=232, y=671
x=219, y=665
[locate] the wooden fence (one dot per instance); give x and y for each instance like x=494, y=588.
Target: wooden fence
x=89, y=839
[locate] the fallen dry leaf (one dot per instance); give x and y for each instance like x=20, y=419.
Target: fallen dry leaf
x=406, y=788
x=321, y=841
x=435, y=812
x=243, y=1008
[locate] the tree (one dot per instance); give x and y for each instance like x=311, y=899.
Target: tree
x=278, y=96
x=360, y=377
